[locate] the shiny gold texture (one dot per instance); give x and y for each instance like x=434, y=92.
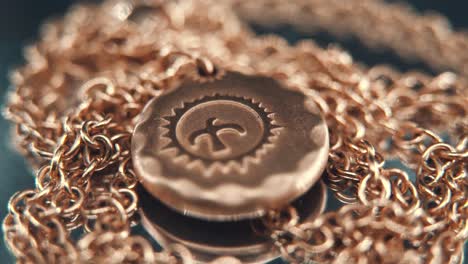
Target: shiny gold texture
x=76, y=101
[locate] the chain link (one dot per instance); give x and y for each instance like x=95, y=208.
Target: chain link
x=77, y=98
x=377, y=23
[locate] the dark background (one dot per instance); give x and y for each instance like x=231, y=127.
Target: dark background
x=20, y=21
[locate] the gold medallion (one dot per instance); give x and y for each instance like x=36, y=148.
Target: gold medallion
x=229, y=149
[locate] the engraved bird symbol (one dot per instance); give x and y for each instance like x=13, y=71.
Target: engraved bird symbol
x=212, y=130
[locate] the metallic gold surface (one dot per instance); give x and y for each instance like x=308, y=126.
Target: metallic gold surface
x=86, y=80
x=215, y=150
x=207, y=240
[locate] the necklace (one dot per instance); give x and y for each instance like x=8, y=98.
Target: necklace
x=79, y=109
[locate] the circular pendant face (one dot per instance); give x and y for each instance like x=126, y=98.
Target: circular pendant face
x=229, y=149
x=209, y=240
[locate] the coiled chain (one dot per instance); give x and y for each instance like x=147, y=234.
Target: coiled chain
x=90, y=75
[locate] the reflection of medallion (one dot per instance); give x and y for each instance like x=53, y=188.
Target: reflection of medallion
x=220, y=130
x=209, y=240
x=229, y=149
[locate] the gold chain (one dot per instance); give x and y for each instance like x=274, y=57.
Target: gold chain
x=76, y=101
x=377, y=24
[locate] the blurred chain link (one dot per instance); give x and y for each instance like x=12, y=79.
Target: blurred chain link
x=376, y=23
x=84, y=83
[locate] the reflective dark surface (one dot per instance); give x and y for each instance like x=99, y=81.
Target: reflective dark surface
x=207, y=240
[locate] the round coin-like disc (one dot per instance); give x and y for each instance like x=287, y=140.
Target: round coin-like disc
x=209, y=240
x=229, y=149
